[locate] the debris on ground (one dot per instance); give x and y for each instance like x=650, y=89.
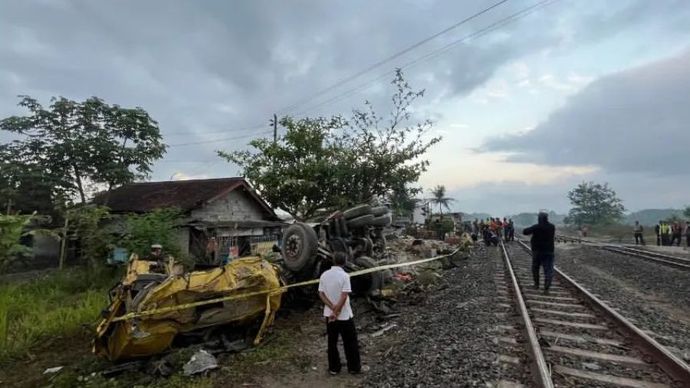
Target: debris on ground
x=200, y=362
x=50, y=371
x=144, y=288
x=384, y=329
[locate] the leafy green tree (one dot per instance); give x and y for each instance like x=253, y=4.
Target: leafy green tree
x=438, y=197
x=156, y=227
x=594, y=204
x=85, y=224
x=11, y=231
x=686, y=212
x=402, y=203
x=75, y=144
x=327, y=163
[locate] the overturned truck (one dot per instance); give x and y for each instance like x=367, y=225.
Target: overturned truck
x=242, y=296
x=358, y=232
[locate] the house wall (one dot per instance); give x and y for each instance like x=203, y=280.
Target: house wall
x=235, y=206
x=418, y=216
x=183, y=239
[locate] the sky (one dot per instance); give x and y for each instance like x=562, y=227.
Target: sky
x=528, y=106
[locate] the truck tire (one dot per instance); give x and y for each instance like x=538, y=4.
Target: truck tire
x=360, y=221
x=383, y=220
x=379, y=244
x=300, y=245
x=379, y=210
x=357, y=211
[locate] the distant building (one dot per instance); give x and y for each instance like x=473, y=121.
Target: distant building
x=422, y=211
x=227, y=208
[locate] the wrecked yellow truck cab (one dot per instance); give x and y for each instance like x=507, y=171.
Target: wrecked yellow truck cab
x=131, y=328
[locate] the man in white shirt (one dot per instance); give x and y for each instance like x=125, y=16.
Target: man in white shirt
x=334, y=290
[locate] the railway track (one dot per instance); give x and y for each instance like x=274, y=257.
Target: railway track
x=573, y=339
x=671, y=261
x=656, y=257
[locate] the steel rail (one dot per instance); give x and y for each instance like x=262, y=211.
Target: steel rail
x=656, y=257
x=667, y=361
x=673, y=261
x=540, y=370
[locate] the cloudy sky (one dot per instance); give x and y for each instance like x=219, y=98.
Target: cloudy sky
x=528, y=106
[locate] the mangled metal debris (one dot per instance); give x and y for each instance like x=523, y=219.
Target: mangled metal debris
x=142, y=289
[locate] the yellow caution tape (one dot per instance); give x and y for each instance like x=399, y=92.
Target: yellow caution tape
x=273, y=291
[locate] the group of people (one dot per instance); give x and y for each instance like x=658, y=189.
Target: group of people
x=669, y=234
x=493, y=229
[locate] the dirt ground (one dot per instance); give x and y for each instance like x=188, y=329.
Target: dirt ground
x=293, y=354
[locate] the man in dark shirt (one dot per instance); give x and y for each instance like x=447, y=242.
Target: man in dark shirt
x=542, y=249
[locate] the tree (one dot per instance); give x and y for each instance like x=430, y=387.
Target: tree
x=328, y=163
x=402, y=203
x=686, y=212
x=594, y=204
x=156, y=227
x=11, y=231
x=439, y=198
x=74, y=144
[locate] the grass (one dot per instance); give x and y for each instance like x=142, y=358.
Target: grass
x=57, y=304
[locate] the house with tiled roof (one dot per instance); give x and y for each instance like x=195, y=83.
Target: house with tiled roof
x=228, y=209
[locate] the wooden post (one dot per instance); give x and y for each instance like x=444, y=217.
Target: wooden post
x=63, y=243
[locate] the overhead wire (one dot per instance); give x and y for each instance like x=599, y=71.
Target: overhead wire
x=391, y=57
x=374, y=65
x=524, y=12
x=432, y=54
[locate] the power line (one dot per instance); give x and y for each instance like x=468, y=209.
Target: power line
x=434, y=53
x=183, y=133
x=390, y=58
x=219, y=140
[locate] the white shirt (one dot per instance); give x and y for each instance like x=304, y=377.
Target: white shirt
x=333, y=283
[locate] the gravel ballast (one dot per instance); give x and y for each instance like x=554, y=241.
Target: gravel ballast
x=655, y=297
x=448, y=340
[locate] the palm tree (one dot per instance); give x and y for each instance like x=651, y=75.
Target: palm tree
x=439, y=198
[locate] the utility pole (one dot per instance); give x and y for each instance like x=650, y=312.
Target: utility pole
x=275, y=129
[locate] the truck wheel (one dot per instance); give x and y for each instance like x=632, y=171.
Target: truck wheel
x=383, y=220
x=357, y=211
x=360, y=221
x=379, y=210
x=300, y=245
x=380, y=244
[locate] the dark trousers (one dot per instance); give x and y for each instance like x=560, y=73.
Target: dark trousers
x=665, y=239
x=543, y=260
x=347, y=330
x=676, y=237
x=639, y=239
x=658, y=239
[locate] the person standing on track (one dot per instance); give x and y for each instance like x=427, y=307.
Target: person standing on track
x=638, y=230
x=542, y=241
x=686, y=227
x=665, y=230
x=657, y=230
x=334, y=291
x=676, y=234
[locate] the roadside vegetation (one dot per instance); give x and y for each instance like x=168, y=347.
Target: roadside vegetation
x=59, y=303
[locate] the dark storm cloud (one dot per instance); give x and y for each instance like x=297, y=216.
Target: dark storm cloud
x=633, y=121
x=208, y=69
